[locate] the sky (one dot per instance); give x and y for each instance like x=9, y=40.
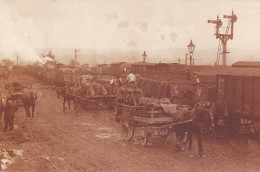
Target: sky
x=28, y=25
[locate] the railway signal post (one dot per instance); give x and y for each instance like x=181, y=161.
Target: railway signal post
x=224, y=37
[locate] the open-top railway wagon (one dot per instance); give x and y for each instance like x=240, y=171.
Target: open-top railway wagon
x=239, y=89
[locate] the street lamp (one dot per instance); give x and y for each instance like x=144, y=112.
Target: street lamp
x=191, y=48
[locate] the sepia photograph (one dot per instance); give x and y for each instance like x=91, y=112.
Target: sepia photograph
x=130, y=85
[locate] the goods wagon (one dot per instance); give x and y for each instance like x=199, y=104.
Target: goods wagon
x=239, y=88
x=184, y=92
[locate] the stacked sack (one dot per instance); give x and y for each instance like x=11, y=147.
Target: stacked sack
x=101, y=87
x=164, y=103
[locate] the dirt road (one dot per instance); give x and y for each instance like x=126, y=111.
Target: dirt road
x=90, y=141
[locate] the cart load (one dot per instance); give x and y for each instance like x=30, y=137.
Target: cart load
x=125, y=93
x=98, y=88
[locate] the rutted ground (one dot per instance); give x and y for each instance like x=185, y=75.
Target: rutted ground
x=90, y=141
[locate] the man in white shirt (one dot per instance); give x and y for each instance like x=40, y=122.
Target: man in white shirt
x=131, y=78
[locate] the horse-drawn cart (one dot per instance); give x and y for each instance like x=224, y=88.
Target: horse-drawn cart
x=97, y=101
x=16, y=90
x=151, y=120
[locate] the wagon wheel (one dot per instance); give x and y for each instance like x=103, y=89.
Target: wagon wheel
x=144, y=137
x=163, y=132
x=127, y=127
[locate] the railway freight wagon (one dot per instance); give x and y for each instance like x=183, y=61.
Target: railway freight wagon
x=240, y=89
x=183, y=92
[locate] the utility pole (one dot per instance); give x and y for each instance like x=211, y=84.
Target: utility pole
x=186, y=58
x=17, y=59
x=144, y=56
x=76, y=54
x=224, y=37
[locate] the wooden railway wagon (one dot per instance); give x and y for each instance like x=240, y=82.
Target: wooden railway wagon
x=240, y=89
x=183, y=92
x=161, y=71
x=115, y=68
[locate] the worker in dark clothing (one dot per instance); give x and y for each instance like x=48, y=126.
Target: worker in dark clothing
x=10, y=110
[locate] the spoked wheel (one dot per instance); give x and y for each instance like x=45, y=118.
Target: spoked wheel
x=127, y=127
x=144, y=137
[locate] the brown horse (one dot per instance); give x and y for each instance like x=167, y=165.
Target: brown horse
x=67, y=97
x=202, y=121
x=29, y=100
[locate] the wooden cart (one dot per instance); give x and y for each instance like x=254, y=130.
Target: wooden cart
x=97, y=101
x=151, y=120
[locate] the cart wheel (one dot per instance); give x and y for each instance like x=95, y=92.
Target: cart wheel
x=127, y=127
x=144, y=137
x=164, y=132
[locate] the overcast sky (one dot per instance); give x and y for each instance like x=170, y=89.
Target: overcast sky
x=26, y=25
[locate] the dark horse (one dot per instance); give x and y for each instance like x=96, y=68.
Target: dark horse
x=202, y=121
x=64, y=92
x=29, y=100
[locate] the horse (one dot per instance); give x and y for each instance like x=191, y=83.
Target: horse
x=202, y=121
x=64, y=92
x=29, y=100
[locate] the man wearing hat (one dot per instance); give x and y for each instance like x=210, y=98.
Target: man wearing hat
x=10, y=110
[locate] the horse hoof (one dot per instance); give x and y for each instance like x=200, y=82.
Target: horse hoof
x=190, y=155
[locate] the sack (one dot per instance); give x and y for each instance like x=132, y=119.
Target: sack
x=103, y=90
x=169, y=108
x=109, y=89
x=90, y=90
x=165, y=101
x=97, y=88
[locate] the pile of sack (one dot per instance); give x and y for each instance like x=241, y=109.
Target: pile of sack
x=100, y=88
x=177, y=112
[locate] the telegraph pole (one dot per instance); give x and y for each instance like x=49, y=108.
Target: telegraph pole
x=17, y=59
x=225, y=36
x=76, y=54
x=144, y=56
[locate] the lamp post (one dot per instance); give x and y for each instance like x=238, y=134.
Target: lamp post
x=191, y=48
